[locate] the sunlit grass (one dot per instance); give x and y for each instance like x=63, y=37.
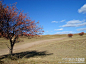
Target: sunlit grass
x=24, y=39
x=74, y=47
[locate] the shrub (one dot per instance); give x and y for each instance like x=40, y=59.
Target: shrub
x=81, y=34
x=70, y=35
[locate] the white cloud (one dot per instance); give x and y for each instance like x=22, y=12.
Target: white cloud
x=81, y=29
x=57, y=21
x=62, y=21
x=54, y=21
x=75, y=23
x=82, y=9
x=58, y=29
x=64, y=32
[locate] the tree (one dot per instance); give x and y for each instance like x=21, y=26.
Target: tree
x=70, y=35
x=81, y=34
x=14, y=23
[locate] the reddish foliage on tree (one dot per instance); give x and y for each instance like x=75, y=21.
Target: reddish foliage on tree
x=14, y=23
x=81, y=34
x=70, y=35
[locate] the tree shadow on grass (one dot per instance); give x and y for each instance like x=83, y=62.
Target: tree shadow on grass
x=26, y=54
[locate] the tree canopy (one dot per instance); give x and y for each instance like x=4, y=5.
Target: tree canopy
x=14, y=23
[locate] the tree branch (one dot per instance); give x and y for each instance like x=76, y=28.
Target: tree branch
x=8, y=46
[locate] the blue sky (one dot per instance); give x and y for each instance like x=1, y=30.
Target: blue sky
x=56, y=16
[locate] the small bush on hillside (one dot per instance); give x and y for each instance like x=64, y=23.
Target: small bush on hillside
x=70, y=35
x=81, y=34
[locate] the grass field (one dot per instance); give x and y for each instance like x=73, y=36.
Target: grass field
x=66, y=50
x=24, y=40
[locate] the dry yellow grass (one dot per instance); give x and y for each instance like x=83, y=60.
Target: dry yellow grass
x=74, y=47
x=24, y=40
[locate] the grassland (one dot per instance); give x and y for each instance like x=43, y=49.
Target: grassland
x=48, y=53
x=24, y=40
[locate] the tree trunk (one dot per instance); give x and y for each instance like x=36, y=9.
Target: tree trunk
x=11, y=46
x=11, y=50
x=12, y=42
